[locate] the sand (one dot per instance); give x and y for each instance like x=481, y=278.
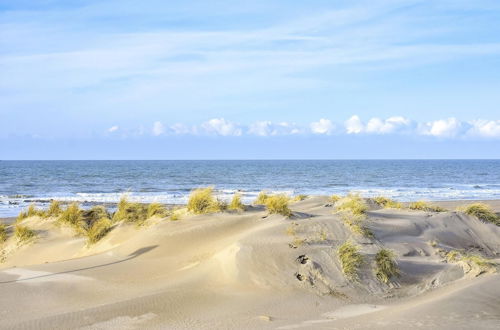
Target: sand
x=239, y=271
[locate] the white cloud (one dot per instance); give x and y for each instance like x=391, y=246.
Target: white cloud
x=485, y=128
x=113, y=129
x=180, y=129
x=323, y=126
x=158, y=128
x=222, y=127
x=354, y=125
x=449, y=127
x=390, y=125
x=267, y=128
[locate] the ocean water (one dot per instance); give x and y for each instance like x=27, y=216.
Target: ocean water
x=25, y=182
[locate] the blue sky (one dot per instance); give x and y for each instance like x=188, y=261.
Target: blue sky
x=156, y=79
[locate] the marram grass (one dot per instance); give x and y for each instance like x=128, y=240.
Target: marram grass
x=278, y=204
x=129, y=212
x=202, y=201
x=23, y=233
x=3, y=233
x=481, y=211
x=299, y=198
x=353, y=203
x=386, y=266
x=355, y=222
x=387, y=203
x=157, y=210
x=236, y=204
x=350, y=259
x=424, y=206
x=261, y=198
x=54, y=209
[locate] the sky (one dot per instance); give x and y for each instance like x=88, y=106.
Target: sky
x=123, y=79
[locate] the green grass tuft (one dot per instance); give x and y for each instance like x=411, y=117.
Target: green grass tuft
x=261, y=198
x=386, y=266
x=481, y=211
x=3, y=233
x=353, y=203
x=387, y=203
x=350, y=260
x=236, y=203
x=158, y=210
x=202, y=201
x=424, y=206
x=23, y=233
x=278, y=204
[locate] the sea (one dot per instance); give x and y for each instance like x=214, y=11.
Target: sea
x=170, y=181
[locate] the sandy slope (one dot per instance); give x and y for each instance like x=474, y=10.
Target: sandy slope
x=227, y=271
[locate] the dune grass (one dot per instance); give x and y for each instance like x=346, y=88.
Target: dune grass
x=130, y=212
x=31, y=211
x=424, y=206
x=236, y=204
x=157, y=210
x=202, y=201
x=481, y=211
x=299, y=198
x=355, y=222
x=387, y=203
x=23, y=233
x=386, y=266
x=3, y=233
x=96, y=230
x=278, y=204
x=54, y=209
x=71, y=216
x=482, y=264
x=353, y=203
x=261, y=198
x=335, y=198
x=350, y=260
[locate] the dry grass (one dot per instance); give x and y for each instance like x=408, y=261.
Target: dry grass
x=31, y=211
x=3, y=233
x=299, y=198
x=54, y=209
x=202, y=201
x=481, y=211
x=278, y=204
x=131, y=212
x=424, y=206
x=291, y=230
x=96, y=230
x=261, y=198
x=355, y=222
x=350, y=260
x=473, y=260
x=236, y=204
x=298, y=242
x=335, y=198
x=353, y=203
x=387, y=203
x=157, y=210
x=386, y=266
x=23, y=234
x=71, y=216
x=175, y=216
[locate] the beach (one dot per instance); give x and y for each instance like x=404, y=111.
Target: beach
x=255, y=270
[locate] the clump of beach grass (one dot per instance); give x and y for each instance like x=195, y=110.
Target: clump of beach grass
x=31, y=211
x=3, y=233
x=478, y=262
x=202, y=201
x=335, y=198
x=355, y=222
x=261, y=198
x=236, y=204
x=387, y=203
x=278, y=204
x=157, y=210
x=350, y=260
x=353, y=203
x=72, y=215
x=23, y=233
x=424, y=206
x=54, y=209
x=130, y=212
x=96, y=230
x=299, y=198
x=481, y=211
x=386, y=266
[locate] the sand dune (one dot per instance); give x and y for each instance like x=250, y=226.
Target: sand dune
x=253, y=270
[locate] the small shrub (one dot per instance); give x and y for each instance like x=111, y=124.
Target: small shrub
x=202, y=201
x=236, y=203
x=72, y=215
x=350, y=260
x=278, y=204
x=261, y=198
x=481, y=211
x=157, y=209
x=424, y=206
x=353, y=203
x=299, y=198
x=385, y=265
x=3, y=233
x=54, y=209
x=387, y=203
x=23, y=233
